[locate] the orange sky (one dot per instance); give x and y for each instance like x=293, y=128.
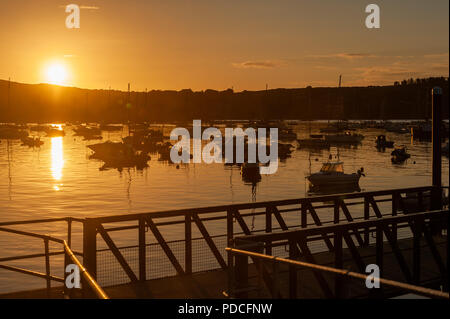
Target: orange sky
x=243, y=44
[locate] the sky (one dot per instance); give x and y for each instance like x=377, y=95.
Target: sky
x=212, y=44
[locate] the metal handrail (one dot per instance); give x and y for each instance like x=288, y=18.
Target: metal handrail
x=342, y=272
x=99, y=292
x=243, y=206
x=67, y=252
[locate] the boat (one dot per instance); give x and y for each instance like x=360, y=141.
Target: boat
x=332, y=175
x=336, y=127
x=32, y=141
x=287, y=135
x=119, y=155
x=284, y=150
x=381, y=142
x=250, y=172
x=315, y=141
x=107, y=148
x=92, y=137
x=39, y=128
x=398, y=128
x=399, y=155
x=111, y=128
x=346, y=138
x=445, y=150
x=87, y=131
x=9, y=133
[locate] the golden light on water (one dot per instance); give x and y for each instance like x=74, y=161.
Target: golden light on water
x=57, y=160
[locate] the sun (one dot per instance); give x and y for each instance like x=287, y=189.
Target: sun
x=56, y=73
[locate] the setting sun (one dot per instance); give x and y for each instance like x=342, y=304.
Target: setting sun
x=56, y=73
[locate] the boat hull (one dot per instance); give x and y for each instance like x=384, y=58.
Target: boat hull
x=334, y=180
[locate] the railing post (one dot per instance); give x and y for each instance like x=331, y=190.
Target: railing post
x=304, y=218
x=142, y=251
x=47, y=267
x=336, y=212
x=366, y=217
x=293, y=255
x=417, y=232
x=231, y=272
x=230, y=234
x=188, y=244
x=69, y=231
x=67, y=261
x=268, y=230
x=436, y=193
x=338, y=263
x=436, y=140
x=275, y=284
x=90, y=248
x=395, y=199
x=379, y=255
x=241, y=275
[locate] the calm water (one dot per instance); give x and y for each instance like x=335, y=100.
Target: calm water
x=60, y=180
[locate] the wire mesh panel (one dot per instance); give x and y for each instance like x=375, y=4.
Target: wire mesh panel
x=109, y=270
x=158, y=264
x=202, y=257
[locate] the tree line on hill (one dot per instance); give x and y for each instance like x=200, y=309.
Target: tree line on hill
x=408, y=99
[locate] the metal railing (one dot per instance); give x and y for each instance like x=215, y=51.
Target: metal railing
x=69, y=255
x=87, y=278
x=432, y=293
x=421, y=225
x=308, y=210
x=299, y=213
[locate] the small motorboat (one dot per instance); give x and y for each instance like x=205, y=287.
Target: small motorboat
x=332, y=175
x=399, y=155
x=381, y=142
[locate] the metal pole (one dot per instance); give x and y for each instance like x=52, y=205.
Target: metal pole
x=89, y=250
x=437, y=119
x=436, y=202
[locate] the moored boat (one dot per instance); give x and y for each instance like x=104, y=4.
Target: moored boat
x=399, y=155
x=32, y=141
x=332, y=175
x=381, y=142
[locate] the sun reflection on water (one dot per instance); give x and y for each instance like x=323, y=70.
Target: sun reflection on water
x=57, y=161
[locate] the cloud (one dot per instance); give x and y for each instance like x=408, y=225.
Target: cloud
x=383, y=72
x=346, y=56
x=256, y=65
x=84, y=7
x=436, y=55
x=89, y=7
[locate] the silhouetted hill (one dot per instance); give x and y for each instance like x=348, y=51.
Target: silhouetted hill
x=409, y=99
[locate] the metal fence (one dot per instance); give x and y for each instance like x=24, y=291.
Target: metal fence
x=328, y=286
